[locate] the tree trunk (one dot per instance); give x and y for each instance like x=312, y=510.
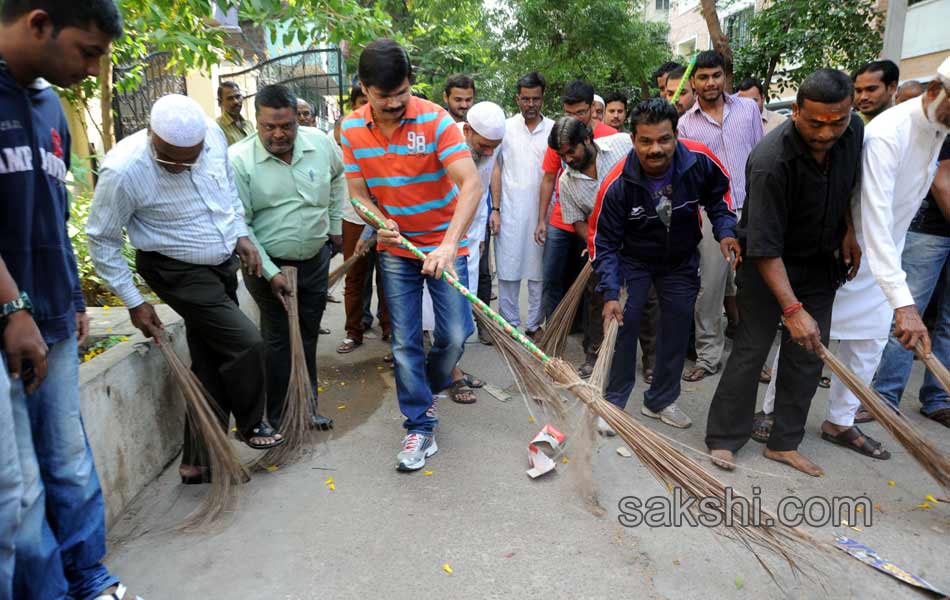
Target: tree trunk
x=720, y=43
x=773, y=62
x=105, y=97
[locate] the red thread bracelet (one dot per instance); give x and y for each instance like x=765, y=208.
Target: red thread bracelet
x=791, y=309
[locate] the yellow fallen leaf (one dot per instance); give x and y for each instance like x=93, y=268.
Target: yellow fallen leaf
x=272, y=468
x=447, y=568
x=891, y=483
x=530, y=419
x=329, y=481
x=106, y=307
x=319, y=389
x=924, y=505
x=427, y=473
x=930, y=498
x=860, y=509
x=332, y=487
x=341, y=407
x=564, y=459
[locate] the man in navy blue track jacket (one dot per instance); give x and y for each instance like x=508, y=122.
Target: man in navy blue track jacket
x=645, y=229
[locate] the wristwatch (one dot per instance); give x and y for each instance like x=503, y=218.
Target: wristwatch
x=22, y=302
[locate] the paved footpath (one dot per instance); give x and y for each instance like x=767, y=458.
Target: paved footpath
x=381, y=533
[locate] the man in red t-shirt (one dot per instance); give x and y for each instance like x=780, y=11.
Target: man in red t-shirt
x=561, y=246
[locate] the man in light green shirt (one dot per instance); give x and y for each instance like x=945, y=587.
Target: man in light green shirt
x=291, y=182
x=232, y=123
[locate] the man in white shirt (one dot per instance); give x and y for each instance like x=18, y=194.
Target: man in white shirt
x=901, y=147
x=514, y=214
x=172, y=188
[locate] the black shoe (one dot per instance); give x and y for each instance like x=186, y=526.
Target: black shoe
x=320, y=422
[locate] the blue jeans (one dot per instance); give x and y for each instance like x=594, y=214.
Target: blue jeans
x=419, y=377
x=62, y=536
x=676, y=289
x=925, y=262
x=558, y=248
x=11, y=487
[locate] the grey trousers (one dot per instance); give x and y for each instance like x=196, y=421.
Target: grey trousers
x=716, y=281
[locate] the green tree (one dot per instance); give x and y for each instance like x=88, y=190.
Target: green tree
x=603, y=41
x=792, y=38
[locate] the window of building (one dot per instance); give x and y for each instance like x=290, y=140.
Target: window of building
x=736, y=27
x=663, y=4
x=687, y=47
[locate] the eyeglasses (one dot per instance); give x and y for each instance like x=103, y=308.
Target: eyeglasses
x=170, y=163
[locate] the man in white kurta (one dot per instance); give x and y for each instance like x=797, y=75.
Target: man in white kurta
x=900, y=161
x=517, y=256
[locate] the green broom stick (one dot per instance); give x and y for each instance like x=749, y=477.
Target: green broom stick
x=689, y=71
x=451, y=280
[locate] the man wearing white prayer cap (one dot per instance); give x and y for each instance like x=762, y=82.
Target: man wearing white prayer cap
x=171, y=187
x=597, y=109
x=483, y=129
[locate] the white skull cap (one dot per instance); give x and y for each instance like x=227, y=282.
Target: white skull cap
x=487, y=119
x=178, y=120
x=943, y=72
x=599, y=99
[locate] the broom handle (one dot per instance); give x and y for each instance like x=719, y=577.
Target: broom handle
x=936, y=368
x=451, y=280
x=689, y=71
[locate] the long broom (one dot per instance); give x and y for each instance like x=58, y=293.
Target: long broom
x=224, y=466
x=919, y=447
x=554, y=338
x=933, y=365
x=338, y=273
x=295, y=414
x=667, y=464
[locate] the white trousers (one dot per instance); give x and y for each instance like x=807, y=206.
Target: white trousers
x=862, y=357
x=509, y=293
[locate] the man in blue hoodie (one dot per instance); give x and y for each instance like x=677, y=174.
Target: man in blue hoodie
x=645, y=230
x=60, y=538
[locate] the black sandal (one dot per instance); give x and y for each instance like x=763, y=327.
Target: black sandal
x=824, y=382
x=263, y=430
x=870, y=447
x=472, y=381
x=762, y=426
x=461, y=393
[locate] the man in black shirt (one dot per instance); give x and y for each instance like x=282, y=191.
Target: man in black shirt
x=925, y=260
x=799, y=182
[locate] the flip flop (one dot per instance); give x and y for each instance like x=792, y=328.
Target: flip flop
x=348, y=345
x=696, y=374
x=472, y=381
x=263, y=430
x=461, y=393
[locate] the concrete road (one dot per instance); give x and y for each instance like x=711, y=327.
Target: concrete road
x=381, y=533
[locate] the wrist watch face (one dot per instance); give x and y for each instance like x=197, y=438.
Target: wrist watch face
x=21, y=303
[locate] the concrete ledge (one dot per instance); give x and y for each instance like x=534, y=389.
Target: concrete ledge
x=132, y=411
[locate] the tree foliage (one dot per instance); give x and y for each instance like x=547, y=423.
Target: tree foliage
x=603, y=41
x=792, y=38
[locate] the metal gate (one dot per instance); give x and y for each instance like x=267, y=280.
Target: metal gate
x=313, y=75
x=131, y=108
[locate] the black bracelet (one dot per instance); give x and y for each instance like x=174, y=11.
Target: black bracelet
x=496, y=208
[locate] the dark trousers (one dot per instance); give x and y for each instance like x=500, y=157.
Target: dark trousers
x=594, y=326
x=354, y=287
x=312, y=277
x=561, y=262
x=484, y=270
x=676, y=288
x=729, y=423
x=227, y=352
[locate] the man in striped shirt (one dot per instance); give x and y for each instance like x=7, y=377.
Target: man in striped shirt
x=730, y=126
x=411, y=156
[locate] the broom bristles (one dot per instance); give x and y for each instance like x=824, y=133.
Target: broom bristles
x=933, y=365
x=295, y=414
x=338, y=273
x=225, y=467
x=605, y=356
x=893, y=421
x=671, y=467
x=554, y=337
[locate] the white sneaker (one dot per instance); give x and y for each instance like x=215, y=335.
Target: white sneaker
x=416, y=448
x=671, y=415
x=604, y=429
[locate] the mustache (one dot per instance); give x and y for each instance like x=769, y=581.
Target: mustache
x=656, y=156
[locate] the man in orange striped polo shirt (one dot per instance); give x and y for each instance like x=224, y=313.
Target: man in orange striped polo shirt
x=409, y=154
